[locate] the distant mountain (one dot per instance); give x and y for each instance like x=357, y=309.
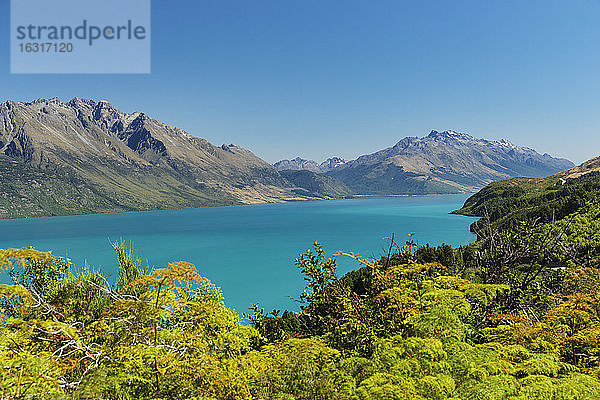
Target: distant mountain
x=331, y=163
x=300, y=164
x=315, y=184
x=297, y=164
x=84, y=156
x=443, y=162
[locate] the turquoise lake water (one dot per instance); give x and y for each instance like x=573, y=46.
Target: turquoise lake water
x=248, y=251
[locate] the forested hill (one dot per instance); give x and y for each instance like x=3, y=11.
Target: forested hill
x=535, y=200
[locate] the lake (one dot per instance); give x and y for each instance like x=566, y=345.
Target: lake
x=248, y=251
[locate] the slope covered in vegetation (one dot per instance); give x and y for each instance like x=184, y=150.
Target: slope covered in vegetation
x=403, y=327
x=548, y=199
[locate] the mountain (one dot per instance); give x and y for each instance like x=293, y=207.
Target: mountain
x=331, y=163
x=84, y=156
x=300, y=164
x=504, y=203
x=297, y=164
x=442, y=162
x=314, y=184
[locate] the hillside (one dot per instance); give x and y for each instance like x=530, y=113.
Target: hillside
x=442, y=162
x=86, y=157
x=541, y=200
x=592, y=165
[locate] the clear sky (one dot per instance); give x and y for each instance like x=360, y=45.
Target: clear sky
x=318, y=78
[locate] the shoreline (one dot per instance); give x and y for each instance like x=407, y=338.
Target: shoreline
x=353, y=197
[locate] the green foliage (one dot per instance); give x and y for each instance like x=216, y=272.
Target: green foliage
x=507, y=202
x=515, y=315
x=130, y=265
x=297, y=369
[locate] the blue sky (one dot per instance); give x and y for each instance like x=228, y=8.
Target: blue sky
x=322, y=78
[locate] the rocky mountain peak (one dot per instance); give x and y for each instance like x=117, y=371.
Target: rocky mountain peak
x=331, y=163
x=229, y=148
x=297, y=164
x=507, y=143
x=8, y=104
x=54, y=100
x=105, y=110
x=449, y=134
x=77, y=102
x=82, y=106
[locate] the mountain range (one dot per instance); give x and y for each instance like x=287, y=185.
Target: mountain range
x=83, y=156
x=441, y=162
x=300, y=164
